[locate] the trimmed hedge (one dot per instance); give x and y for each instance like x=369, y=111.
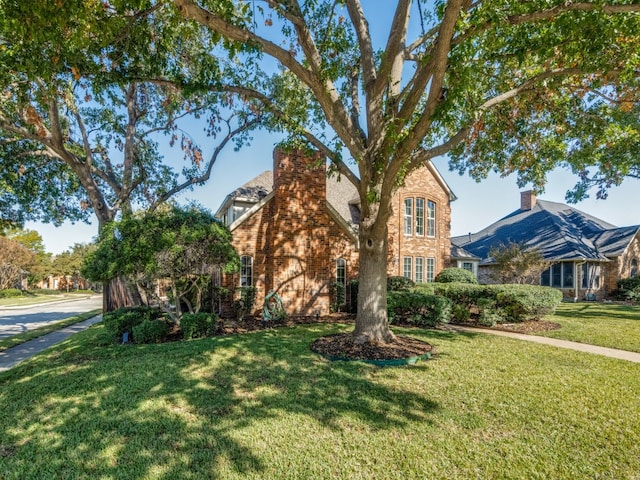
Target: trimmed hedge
x=455, y=275
x=198, y=325
x=125, y=319
x=418, y=308
x=10, y=293
x=498, y=303
x=151, y=331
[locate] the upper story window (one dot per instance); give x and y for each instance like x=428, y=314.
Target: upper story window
x=431, y=219
x=408, y=216
x=246, y=271
x=341, y=271
x=420, y=216
x=634, y=268
x=417, y=221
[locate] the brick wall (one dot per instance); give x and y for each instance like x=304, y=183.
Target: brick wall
x=295, y=241
x=420, y=184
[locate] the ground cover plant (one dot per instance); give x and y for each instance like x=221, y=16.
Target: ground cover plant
x=242, y=406
x=15, y=340
x=606, y=325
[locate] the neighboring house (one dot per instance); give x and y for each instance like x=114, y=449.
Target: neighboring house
x=295, y=230
x=588, y=255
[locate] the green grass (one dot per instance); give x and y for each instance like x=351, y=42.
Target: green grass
x=606, y=325
x=37, y=299
x=15, y=340
x=263, y=406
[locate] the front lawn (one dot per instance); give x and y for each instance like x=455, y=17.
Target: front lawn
x=606, y=325
x=262, y=405
x=37, y=299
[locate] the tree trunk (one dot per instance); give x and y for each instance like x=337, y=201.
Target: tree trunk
x=116, y=294
x=372, y=324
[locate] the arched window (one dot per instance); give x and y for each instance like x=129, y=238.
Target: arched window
x=341, y=271
x=246, y=271
x=634, y=268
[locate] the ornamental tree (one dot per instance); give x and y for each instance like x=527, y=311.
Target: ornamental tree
x=498, y=85
x=174, y=245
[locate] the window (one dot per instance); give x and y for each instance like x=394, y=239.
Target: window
x=567, y=275
x=634, y=268
x=408, y=216
x=246, y=271
x=467, y=266
x=420, y=216
x=590, y=275
x=407, y=267
x=419, y=268
x=431, y=219
x=559, y=275
x=341, y=271
x=431, y=269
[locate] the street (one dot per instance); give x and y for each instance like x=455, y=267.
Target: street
x=14, y=321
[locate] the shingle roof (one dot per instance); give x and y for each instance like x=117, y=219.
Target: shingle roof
x=558, y=231
x=461, y=254
x=340, y=193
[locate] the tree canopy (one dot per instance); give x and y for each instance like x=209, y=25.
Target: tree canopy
x=515, y=87
x=173, y=244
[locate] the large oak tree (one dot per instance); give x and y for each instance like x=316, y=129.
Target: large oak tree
x=499, y=85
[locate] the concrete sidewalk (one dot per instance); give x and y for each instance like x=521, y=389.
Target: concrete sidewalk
x=581, y=347
x=13, y=356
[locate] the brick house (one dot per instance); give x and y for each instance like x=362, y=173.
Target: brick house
x=295, y=230
x=587, y=255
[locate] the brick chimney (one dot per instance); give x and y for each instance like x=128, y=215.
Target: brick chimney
x=527, y=200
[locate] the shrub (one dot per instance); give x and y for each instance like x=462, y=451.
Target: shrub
x=150, y=331
x=498, y=303
x=395, y=283
x=628, y=290
x=197, y=325
x=456, y=275
x=519, y=303
x=244, y=305
x=124, y=319
x=43, y=291
x=337, y=293
x=460, y=313
x=10, y=293
x=418, y=308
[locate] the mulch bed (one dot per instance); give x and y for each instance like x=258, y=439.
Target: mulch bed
x=341, y=345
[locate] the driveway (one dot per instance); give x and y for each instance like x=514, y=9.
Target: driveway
x=14, y=321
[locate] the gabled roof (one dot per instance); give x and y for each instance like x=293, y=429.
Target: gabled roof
x=340, y=193
x=558, y=231
x=459, y=253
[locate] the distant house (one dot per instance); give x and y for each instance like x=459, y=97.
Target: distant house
x=296, y=231
x=588, y=255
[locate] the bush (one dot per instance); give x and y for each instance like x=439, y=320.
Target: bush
x=10, y=293
x=395, y=284
x=455, y=275
x=125, y=319
x=498, y=303
x=628, y=290
x=43, y=291
x=150, y=331
x=197, y=325
x=337, y=292
x=418, y=308
x=244, y=305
